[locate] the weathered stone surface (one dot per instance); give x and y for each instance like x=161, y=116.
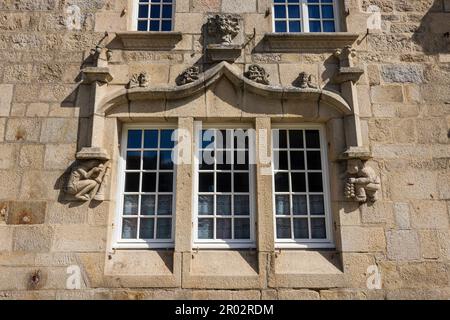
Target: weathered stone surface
x=31, y=156
x=362, y=239
x=59, y=130
x=402, y=73
x=33, y=238
x=6, y=94
x=403, y=245
x=26, y=212
x=402, y=217
x=23, y=129
x=236, y=6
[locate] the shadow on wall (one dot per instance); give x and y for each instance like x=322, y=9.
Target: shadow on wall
x=433, y=34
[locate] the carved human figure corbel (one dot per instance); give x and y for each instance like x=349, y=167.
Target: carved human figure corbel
x=346, y=56
x=226, y=26
x=189, y=75
x=305, y=81
x=257, y=74
x=363, y=183
x=87, y=177
x=139, y=80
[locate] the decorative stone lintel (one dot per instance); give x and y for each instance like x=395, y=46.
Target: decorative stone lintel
x=96, y=74
x=224, y=52
x=154, y=40
x=348, y=74
x=284, y=41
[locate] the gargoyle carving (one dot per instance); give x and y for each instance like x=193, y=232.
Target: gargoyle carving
x=226, y=26
x=139, y=80
x=189, y=75
x=305, y=81
x=363, y=183
x=257, y=74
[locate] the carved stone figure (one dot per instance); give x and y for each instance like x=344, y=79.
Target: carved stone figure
x=139, y=80
x=305, y=81
x=189, y=75
x=345, y=56
x=363, y=183
x=225, y=26
x=257, y=74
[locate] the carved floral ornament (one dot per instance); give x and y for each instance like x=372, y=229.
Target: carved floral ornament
x=139, y=80
x=225, y=26
x=189, y=75
x=305, y=81
x=257, y=74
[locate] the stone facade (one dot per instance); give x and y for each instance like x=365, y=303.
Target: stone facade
x=68, y=84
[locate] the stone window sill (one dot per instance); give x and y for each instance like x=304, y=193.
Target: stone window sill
x=139, y=40
x=308, y=41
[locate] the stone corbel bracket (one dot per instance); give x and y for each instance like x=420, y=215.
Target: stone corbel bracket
x=347, y=70
x=363, y=184
x=88, y=177
x=96, y=74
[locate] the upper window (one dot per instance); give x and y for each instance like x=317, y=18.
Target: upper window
x=147, y=200
x=154, y=15
x=300, y=183
x=304, y=15
x=225, y=189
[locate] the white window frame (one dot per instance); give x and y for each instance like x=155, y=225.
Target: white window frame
x=222, y=244
x=307, y=243
x=120, y=243
x=305, y=16
x=135, y=16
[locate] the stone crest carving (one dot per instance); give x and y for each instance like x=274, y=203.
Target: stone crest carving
x=225, y=26
x=363, y=183
x=88, y=176
x=189, y=75
x=139, y=80
x=258, y=74
x=305, y=81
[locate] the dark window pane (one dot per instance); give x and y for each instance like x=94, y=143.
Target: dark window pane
x=279, y=138
x=206, y=161
x=241, y=205
x=241, y=160
x=154, y=25
x=241, y=182
x=132, y=182
x=318, y=230
x=155, y=11
x=284, y=228
x=146, y=229
x=223, y=205
x=296, y=138
x=142, y=25
x=206, y=182
x=314, y=12
x=301, y=229
x=327, y=12
x=165, y=205
x=241, y=138
x=282, y=205
x=224, y=182
x=223, y=139
x=205, y=228
x=223, y=230
x=281, y=182
x=133, y=160
x=165, y=160
x=150, y=160
x=208, y=139
x=164, y=228
x=205, y=205
x=298, y=182
x=242, y=228
x=134, y=139
x=314, y=26
x=280, y=26
x=294, y=26
x=280, y=12
x=167, y=12
x=294, y=11
x=280, y=160
x=312, y=139
x=314, y=160
x=299, y=205
x=315, y=182
x=147, y=205
x=151, y=139
x=149, y=182
x=166, y=25
x=316, y=205
x=129, y=228
x=130, y=205
x=143, y=11
x=165, y=182
x=329, y=26
x=166, y=139
x=297, y=160
x=223, y=160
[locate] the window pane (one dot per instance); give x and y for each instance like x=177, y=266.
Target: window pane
x=315, y=182
x=282, y=205
x=164, y=205
x=318, y=230
x=283, y=228
x=133, y=160
x=132, y=182
x=279, y=138
x=167, y=12
x=165, y=160
x=294, y=11
x=241, y=160
x=223, y=205
x=129, y=228
x=134, y=139
x=206, y=182
x=223, y=182
x=223, y=160
x=166, y=25
x=297, y=160
x=316, y=205
x=151, y=139
x=312, y=139
x=242, y=228
x=329, y=26
x=143, y=11
x=280, y=160
x=298, y=182
x=206, y=160
x=148, y=205
x=327, y=12
x=155, y=11
x=301, y=229
x=165, y=182
x=208, y=139
x=314, y=12
x=205, y=228
x=154, y=25
x=296, y=138
x=294, y=26
x=281, y=182
x=280, y=26
x=241, y=205
x=280, y=11
x=164, y=228
x=223, y=229
x=149, y=182
x=150, y=159
x=299, y=205
x=241, y=182
x=314, y=160
x=314, y=26
x=205, y=205
x=130, y=205
x=166, y=139
x=142, y=25
x=147, y=228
